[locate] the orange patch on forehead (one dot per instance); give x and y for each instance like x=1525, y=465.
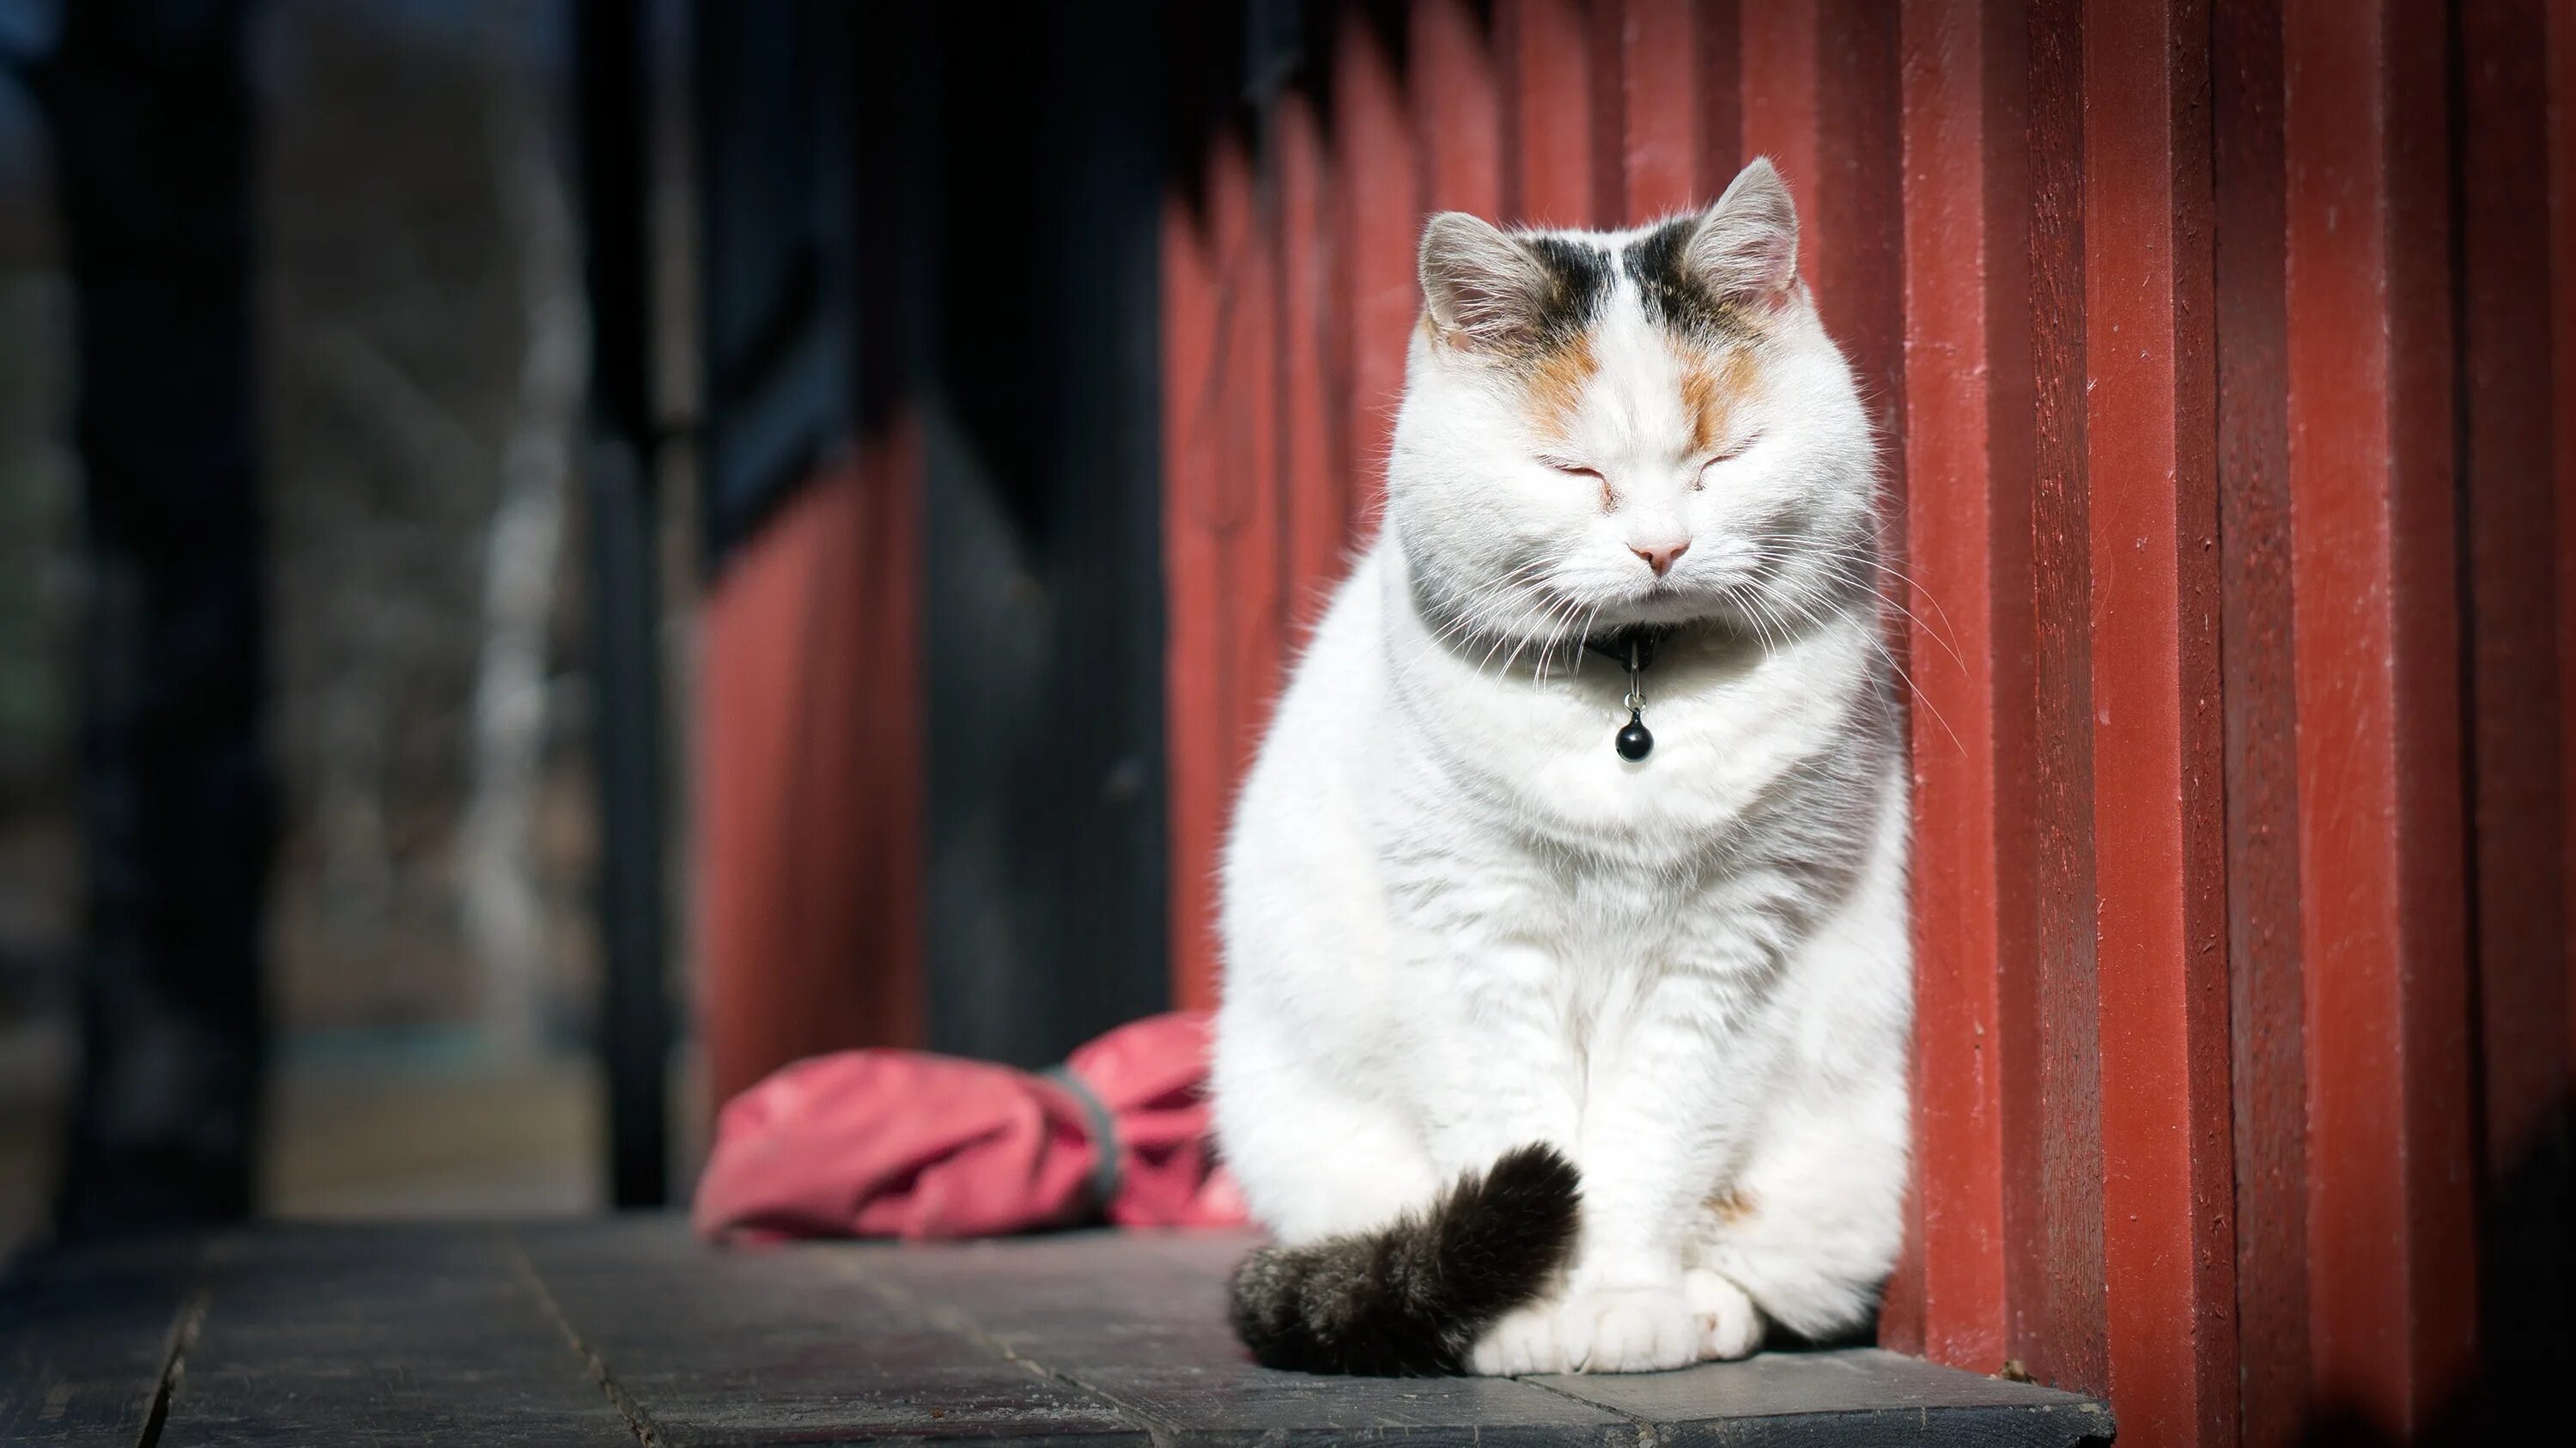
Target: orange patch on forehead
x=1712, y=382
x=1555, y=380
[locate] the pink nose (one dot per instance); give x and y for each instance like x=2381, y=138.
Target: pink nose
x=1660, y=556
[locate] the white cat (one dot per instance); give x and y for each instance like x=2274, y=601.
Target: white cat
x=1536, y=1056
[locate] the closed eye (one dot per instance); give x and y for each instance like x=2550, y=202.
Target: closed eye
x=1733, y=451
x=1609, y=499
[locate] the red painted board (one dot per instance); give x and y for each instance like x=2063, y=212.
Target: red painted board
x=2265, y=1010
x=1778, y=96
x=1542, y=49
x=1606, y=29
x=2168, y=1242
x=1315, y=479
x=1242, y=507
x=1819, y=98
x=2510, y=516
x=1718, y=44
x=2392, y=1290
x=1457, y=115
x=1195, y=716
x=2561, y=42
x=1969, y=607
x=1857, y=263
x=1378, y=218
x=809, y=769
x=2054, y=1210
x=1661, y=125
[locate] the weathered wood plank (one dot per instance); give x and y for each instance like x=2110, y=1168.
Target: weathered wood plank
x=2159, y=836
x=2392, y=1280
x=608, y=1333
x=1142, y=1320
x=751, y=1347
x=1852, y=1396
x=1968, y=448
x=392, y=1334
x=85, y=1338
x=2053, y=1145
x=2266, y=1010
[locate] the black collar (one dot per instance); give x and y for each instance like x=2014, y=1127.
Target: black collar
x=1632, y=647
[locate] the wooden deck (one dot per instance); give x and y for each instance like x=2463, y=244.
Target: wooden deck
x=619, y=1331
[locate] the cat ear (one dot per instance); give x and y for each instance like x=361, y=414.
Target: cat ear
x=1482, y=287
x=1746, y=248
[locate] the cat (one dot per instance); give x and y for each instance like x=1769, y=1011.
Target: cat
x=1534, y=1056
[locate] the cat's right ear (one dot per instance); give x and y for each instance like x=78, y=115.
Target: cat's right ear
x=1484, y=289
x=1745, y=249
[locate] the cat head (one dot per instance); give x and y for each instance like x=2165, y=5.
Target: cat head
x=1645, y=426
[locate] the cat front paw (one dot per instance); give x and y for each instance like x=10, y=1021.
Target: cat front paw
x=1524, y=1341
x=1728, y=1324
x=1625, y=1330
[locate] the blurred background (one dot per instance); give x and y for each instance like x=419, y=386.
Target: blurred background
x=416, y=358
x=380, y=387
x=444, y=444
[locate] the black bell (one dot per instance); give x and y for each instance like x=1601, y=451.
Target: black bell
x=1636, y=741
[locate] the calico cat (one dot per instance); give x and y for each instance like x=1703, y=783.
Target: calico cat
x=1566, y=988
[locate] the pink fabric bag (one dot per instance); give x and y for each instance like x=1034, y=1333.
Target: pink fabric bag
x=907, y=1144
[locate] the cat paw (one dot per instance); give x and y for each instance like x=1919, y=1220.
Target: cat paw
x=1523, y=1342
x=1728, y=1324
x=1634, y=1330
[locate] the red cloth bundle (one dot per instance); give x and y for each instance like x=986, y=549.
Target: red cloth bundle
x=907, y=1144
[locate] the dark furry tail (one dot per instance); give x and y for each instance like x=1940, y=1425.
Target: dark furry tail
x=1411, y=1299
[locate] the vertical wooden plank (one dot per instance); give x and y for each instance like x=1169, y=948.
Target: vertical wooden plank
x=1966, y=384
x=2562, y=307
x=1858, y=267
x=1457, y=116
x=1543, y=50
x=2168, y=1191
x=2056, y=1236
x=1820, y=99
x=1661, y=134
x=2516, y=849
x=1778, y=94
x=1224, y=531
x=1720, y=66
x=1195, y=723
x=2510, y=520
x=2393, y=1283
x=1378, y=215
x=809, y=804
x=1241, y=507
x=1314, y=478
x=2265, y=1011
x=1606, y=31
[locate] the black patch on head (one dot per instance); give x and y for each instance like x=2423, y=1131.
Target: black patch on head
x=1578, y=283
x=1672, y=294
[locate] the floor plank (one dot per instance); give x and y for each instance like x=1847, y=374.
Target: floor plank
x=1141, y=1319
x=317, y=1335
x=614, y=1332
x=85, y=1337
x=1846, y=1397
x=770, y=1346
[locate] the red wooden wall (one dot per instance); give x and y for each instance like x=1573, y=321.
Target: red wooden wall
x=2226, y=355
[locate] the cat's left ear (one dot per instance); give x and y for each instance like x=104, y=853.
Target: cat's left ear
x=1746, y=247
